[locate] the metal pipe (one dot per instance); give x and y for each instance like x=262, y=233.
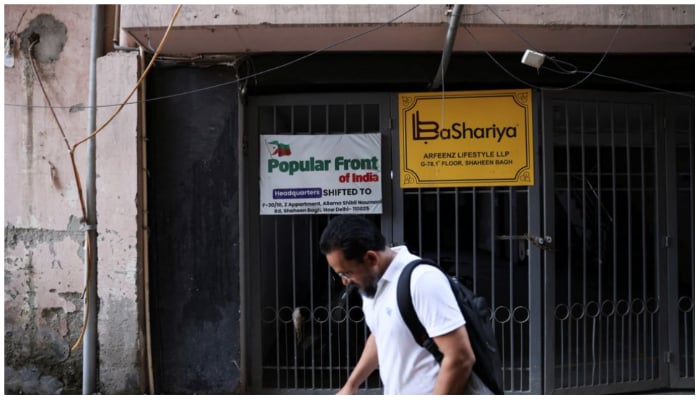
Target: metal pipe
x=90, y=338
x=144, y=222
x=117, y=21
x=449, y=44
x=116, y=41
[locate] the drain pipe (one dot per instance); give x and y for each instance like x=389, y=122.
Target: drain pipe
x=90, y=338
x=116, y=34
x=449, y=44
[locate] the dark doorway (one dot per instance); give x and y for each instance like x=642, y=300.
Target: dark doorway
x=193, y=230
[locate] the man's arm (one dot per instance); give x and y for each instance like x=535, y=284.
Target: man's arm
x=457, y=362
x=367, y=363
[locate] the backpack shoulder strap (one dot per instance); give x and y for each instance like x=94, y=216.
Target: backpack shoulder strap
x=408, y=312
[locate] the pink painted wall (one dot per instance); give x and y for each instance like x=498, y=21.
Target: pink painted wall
x=44, y=261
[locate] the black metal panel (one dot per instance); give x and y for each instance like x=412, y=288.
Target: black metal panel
x=679, y=241
x=193, y=221
x=612, y=323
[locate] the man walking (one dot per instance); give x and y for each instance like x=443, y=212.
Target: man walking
x=357, y=252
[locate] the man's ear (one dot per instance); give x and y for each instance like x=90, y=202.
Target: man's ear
x=372, y=258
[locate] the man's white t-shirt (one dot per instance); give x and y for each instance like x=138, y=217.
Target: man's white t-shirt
x=404, y=366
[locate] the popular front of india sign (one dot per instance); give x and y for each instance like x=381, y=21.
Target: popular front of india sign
x=320, y=174
x=475, y=138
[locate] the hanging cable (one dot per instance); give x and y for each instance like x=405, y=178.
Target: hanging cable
x=513, y=31
x=72, y=149
x=499, y=64
x=32, y=61
x=98, y=130
x=563, y=65
x=692, y=96
x=567, y=68
x=600, y=62
x=607, y=50
x=82, y=204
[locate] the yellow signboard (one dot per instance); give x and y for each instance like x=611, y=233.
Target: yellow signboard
x=475, y=138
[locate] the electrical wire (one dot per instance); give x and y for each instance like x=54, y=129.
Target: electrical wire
x=77, y=174
x=600, y=62
x=138, y=84
x=253, y=75
x=607, y=51
x=513, y=31
x=575, y=70
x=89, y=250
x=30, y=51
x=88, y=247
x=692, y=96
x=560, y=69
x=499, y=64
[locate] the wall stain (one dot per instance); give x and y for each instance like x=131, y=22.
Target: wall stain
x=54, y=176
x=31, y=237
x=38, y=359
x=52, y=35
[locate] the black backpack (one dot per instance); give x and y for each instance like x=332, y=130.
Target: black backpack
x=476, y=314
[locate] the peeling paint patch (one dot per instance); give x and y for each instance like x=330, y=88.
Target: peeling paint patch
x=43, y=310
x=52, y=36
x=31, y=237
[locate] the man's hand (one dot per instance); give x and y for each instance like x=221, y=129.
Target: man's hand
x=367, y=363
x=348, y=389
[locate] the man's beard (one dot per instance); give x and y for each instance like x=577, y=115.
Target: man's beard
x=370, y=290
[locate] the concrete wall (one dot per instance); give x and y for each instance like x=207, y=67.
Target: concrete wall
x=193, y=15
x=43, y=237
x=221, y=29
x=44, y=261
x=119, y=279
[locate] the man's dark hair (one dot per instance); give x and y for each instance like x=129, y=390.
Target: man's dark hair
x=352, y=234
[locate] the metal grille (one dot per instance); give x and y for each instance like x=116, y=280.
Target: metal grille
x=312, y=338
x=606, y=191
x=481, y=236
x=310, y=335
x=683, y=213
x=618, y=278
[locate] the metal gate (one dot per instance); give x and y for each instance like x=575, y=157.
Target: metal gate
x=482, y=235
x=589, y=273
x=489, y=237
x=609, y=281
x=306, y=335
